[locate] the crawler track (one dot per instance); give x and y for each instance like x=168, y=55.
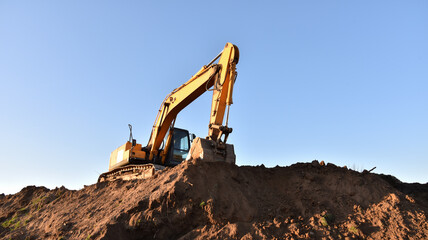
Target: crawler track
x=130, y=172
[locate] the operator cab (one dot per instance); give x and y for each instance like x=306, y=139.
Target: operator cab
x=179, y=148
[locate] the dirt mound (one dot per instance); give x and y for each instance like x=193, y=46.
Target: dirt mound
x=216, y=201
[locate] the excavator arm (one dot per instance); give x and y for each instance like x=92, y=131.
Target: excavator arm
x=221, y=77
x=222, y=95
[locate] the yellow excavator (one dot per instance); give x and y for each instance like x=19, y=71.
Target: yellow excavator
x=169, y=146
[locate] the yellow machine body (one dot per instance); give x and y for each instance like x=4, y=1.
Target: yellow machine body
x=171, y=149
x=122, y=155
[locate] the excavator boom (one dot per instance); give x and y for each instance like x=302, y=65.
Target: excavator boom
x=221, y=76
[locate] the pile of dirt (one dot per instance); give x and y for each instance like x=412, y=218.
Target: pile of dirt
x=220, y=201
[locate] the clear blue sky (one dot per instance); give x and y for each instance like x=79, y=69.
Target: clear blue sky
x=341, y=81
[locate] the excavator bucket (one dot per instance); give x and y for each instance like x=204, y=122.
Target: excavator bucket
x=207, y=151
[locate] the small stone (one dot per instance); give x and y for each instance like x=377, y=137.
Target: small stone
x=322, y=163
x=410, y=199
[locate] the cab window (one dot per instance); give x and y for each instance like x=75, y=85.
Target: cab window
x=180, y=144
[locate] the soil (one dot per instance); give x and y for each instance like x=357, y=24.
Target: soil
x=203, y=200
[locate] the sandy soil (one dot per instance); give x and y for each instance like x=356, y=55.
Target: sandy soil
x=200, y=200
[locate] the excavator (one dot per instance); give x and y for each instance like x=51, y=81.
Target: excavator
x=168, y=146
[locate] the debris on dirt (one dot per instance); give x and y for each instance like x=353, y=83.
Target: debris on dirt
x=206, y=200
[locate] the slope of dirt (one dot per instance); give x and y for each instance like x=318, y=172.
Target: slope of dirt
x=200, y=200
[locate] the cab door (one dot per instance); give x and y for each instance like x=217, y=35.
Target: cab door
x=179, y=147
